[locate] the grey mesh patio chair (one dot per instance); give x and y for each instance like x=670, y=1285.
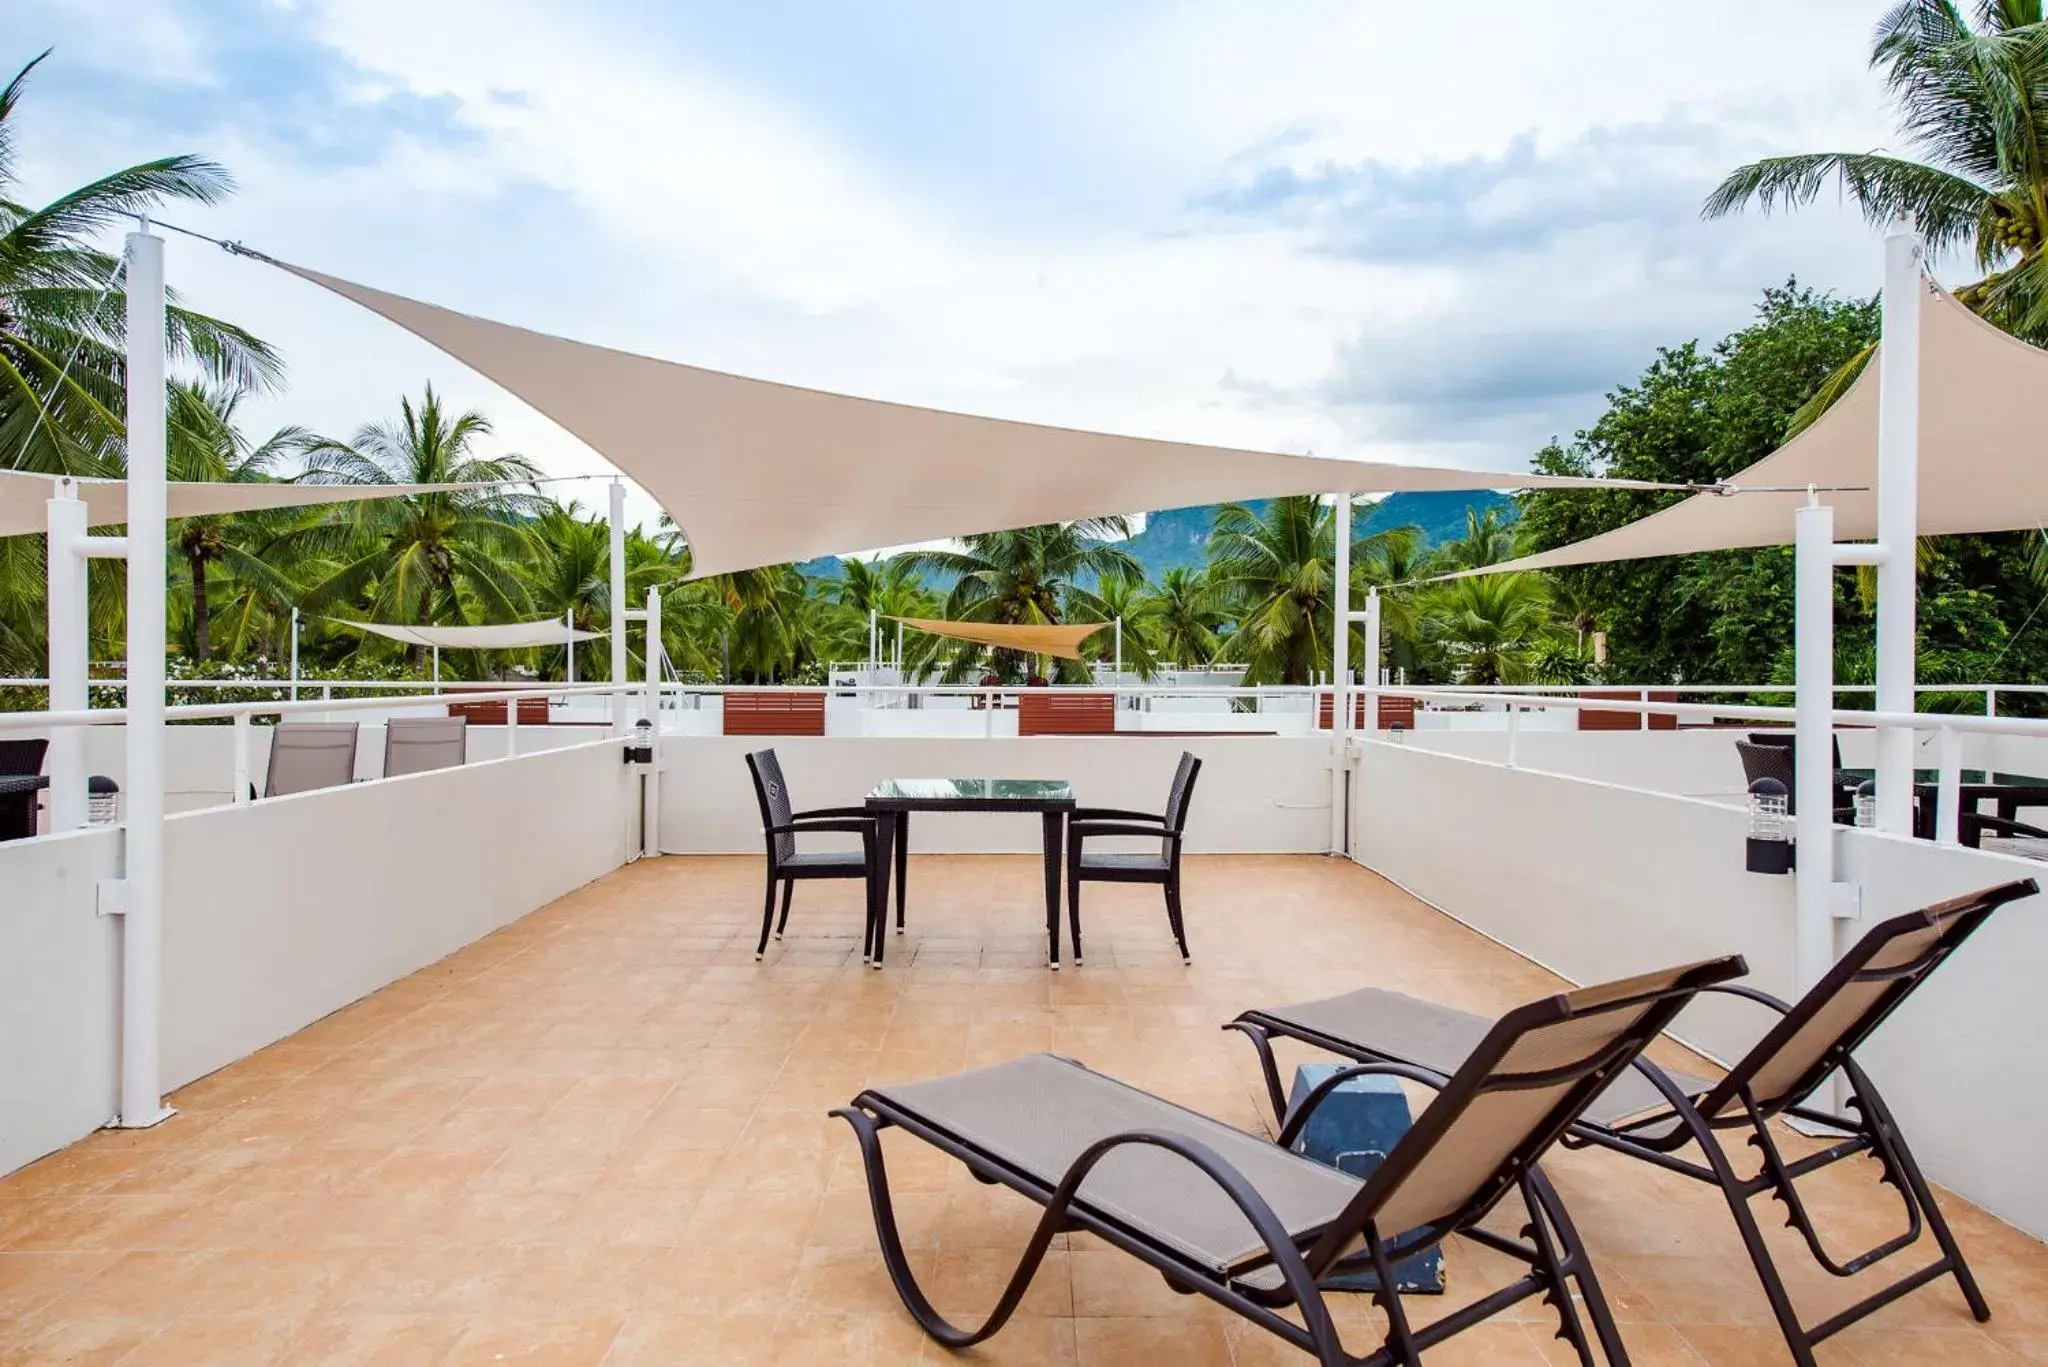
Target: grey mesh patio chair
x=1652, y=1112
x=308, y=755
x=1103, y=866
x=780, y=827
x=418, y=745
x=1261, y=1230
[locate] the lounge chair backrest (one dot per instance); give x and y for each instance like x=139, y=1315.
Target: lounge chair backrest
x=22, y=756
x=308, y=755
x=1869, y=983
x=1527, y=1081
x=415, y=745
x=771, y=790
x=1767, y=761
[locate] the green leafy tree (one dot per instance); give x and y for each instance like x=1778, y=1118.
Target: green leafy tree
x=62, y=314
x=1493, y=628
x=1184, y=616
x=1972, y=99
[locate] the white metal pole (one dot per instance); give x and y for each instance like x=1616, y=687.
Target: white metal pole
x=1948, y=810
x=618, y=595
x=1898, y=493
x=1372, y=661
x=69, y=653
x=243, y=766
x=437, y=669
x=1118, y=670
x=874, y=638
x=569, y=640
x=511, y=728
x=142, y=930
x=1340, y=665
x=1813, y=596
x=650, y=839
x=295, y=654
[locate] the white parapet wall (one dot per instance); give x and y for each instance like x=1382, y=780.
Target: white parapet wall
x=1595, y=880
x=278, y=913
x=1256, y=794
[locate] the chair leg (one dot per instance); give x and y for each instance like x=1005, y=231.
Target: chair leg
x=1887, y=1130
x=1173, y=918
x=1074, y=901
x=788, y=891
x=767, y=920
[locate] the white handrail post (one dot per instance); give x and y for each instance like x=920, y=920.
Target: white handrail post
x=69, y=652
x=569, y=642
x=1340, y=664
x=1948, y=809
x=511, y=728
x=650, y=830
x=1117, y=670
x=618, y=596
x=295, y=654
x=1813, y=787
x=437, y=671
x=242, y=758
x=1372, y=662
x=1898, y=482
x=142, y=928
x=1514, y=733
x=1991, y=702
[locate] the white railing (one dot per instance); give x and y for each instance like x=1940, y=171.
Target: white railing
x=1947, y=728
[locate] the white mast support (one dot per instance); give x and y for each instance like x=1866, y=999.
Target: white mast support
x=69, y=649
x=874, y=638
x=1371, y=663
x=1898, y=494
x=1340, y=667
x=1117, y=670
x=618, y=595
x=569, y=643
x=295, y=654
x=1813, y=598
x=142, y=928
x=650, y=791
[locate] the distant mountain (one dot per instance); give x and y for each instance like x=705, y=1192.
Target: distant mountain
x=1180, y=536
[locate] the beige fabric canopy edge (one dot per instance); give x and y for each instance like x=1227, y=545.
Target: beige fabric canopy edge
x=24, y=494
x=760, y=473
x=549, y=631
x=1061, y=642
x=1983, y=457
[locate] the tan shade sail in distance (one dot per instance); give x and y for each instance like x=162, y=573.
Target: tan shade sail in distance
x=1983, y=457
x=759, y=473
x=1061, y=642
x=551, y=631
x=23, y=494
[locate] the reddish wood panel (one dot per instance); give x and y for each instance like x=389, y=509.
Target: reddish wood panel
x=532, y=712
x=1393, y=712
x=1044, y=712
x=1600, y=719
x=775, y=714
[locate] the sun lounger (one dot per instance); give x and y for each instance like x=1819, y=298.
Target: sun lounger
x=1652, y=1112
x=1256, y=1227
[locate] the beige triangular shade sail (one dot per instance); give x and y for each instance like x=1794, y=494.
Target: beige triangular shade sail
x=1983, y=457
x=1062, y=642
x=758, y=473
x=499, y=636
x=23, y=494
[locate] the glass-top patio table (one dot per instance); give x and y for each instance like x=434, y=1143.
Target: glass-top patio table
x=893, y=800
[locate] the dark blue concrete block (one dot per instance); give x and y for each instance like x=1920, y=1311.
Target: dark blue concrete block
x=1353, y=1129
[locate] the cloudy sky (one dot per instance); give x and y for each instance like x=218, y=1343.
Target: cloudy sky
x=1348, y=227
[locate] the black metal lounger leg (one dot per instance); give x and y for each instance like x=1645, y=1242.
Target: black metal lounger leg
x=1400, y=1341
x=1262, y=1042
x=1738, y=1193
x=1889, y=1135
x=1546, y=1214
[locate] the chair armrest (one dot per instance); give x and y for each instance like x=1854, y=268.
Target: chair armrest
x=1114, y=814
x=1998, y=825
x=851, y=825
x=1753, y=994
x=1081, y=830
x=832, y=811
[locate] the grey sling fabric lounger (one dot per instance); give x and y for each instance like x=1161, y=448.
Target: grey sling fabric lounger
x=1651, y=1112
x=419, y=745
x=309, y=755
x=1257, y=1228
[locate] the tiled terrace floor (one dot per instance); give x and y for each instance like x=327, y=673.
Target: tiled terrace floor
x=599, y=1136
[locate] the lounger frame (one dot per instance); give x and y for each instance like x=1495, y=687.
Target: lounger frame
x=1732, y=1104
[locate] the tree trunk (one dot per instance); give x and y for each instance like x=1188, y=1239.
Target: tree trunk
x=200, y=636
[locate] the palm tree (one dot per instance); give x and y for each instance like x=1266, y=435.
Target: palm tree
x=1122, y=598
x=1492, y=625
x=570, y=575
x=1972, y=99
x=206, y=445
x=888, y=586
x=421, y=558
x=62, y=318
x=1026, y=576
x=1487, y=541
x=1184, y=616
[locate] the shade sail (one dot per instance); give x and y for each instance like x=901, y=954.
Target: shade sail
x=23, y=494
x=1983, y=457
x=1063, y=642
x=550, y=631
x=758, y=473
